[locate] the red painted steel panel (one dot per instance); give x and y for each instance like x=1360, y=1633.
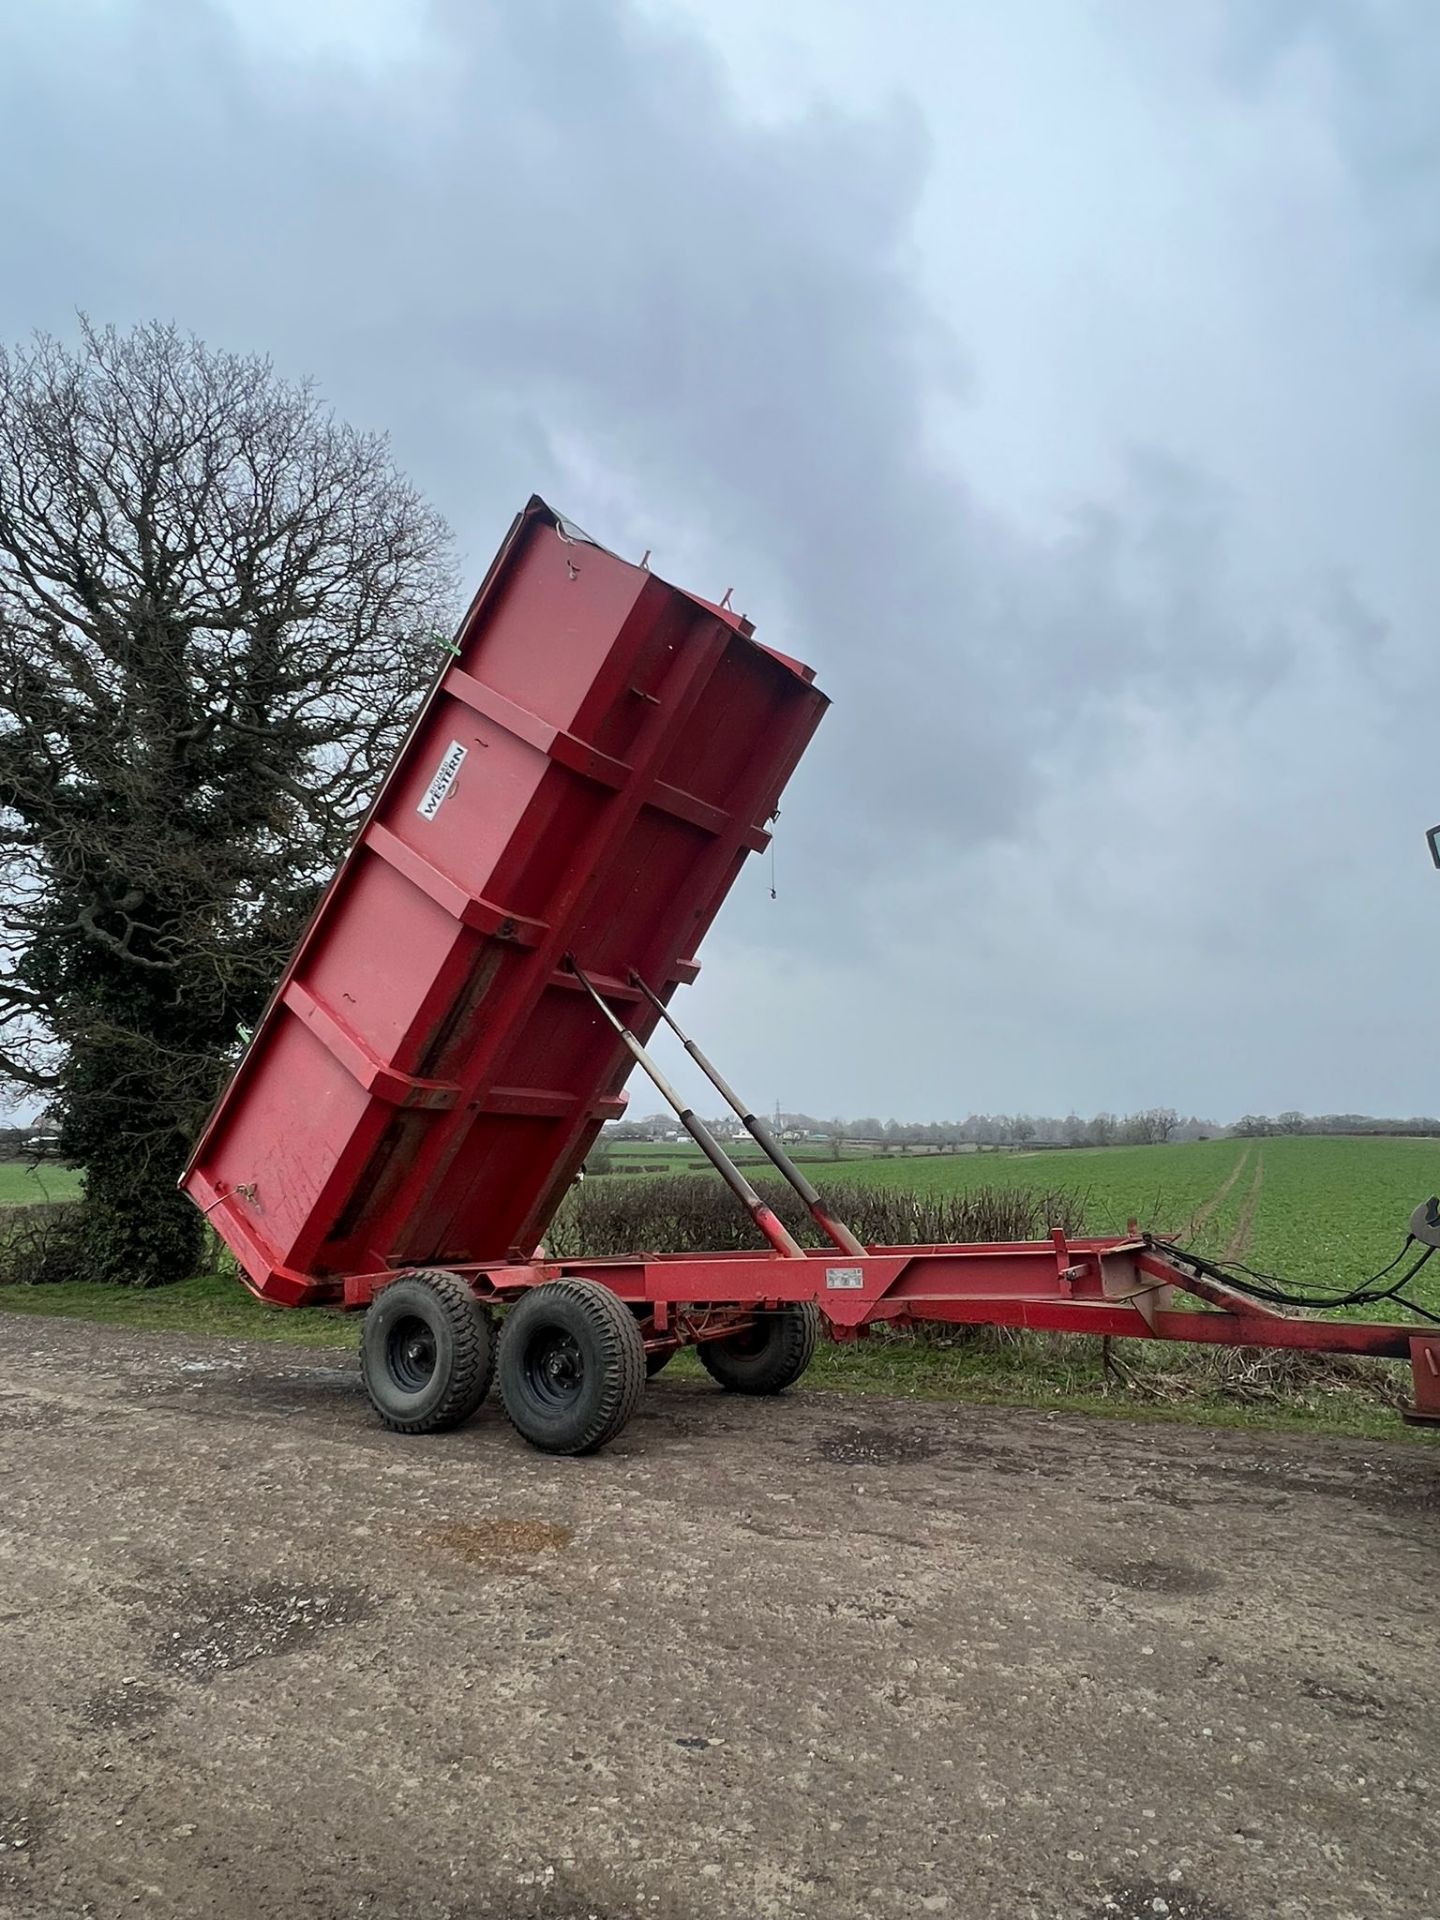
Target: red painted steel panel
x=586, y=777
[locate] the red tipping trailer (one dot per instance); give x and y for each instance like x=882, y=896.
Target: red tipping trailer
x=567, y=813
x=585, y=779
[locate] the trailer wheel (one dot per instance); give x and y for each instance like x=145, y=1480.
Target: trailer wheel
x=769, y=1355
x=572, y=1366
x=427, y=1353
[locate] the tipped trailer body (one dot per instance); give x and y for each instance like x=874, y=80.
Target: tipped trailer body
x=589, y=772
x=599, y=754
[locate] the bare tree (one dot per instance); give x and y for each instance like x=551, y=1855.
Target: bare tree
x=1151, y=1127
x=217, y=606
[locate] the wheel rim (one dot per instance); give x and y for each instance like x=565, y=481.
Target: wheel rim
x=554, y=1367
x=410, y=1353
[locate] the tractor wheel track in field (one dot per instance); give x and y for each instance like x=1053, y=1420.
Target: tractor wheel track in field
x=1244, y=1225
x=1202, y=1214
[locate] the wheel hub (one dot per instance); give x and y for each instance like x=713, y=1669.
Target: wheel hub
x=555, y=1366
x=410, y=1354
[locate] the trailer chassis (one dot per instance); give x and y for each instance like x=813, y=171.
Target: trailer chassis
x=581, y=1336
x=1131, y=1287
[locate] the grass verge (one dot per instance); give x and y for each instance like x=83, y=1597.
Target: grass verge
x=212, y=1303
x=989, y=1367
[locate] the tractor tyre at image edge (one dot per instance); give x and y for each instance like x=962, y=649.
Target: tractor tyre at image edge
x=770, y=1355
x=572, y=1366
x=427, y=1352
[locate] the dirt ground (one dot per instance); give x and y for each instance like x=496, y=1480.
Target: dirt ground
x=820, y=1655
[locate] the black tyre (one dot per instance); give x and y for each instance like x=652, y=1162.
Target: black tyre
x=769, y=1356
x=572, y=1366
x=427, y=1353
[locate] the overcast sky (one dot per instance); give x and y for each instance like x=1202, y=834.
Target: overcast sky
x=1061, y=379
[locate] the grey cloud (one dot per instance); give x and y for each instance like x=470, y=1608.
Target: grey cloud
x=566, y=223
x=559, y=228
x=1381, y=60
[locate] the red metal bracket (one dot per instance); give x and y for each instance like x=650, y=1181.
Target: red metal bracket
x=1425, y=1371
x=360, y=1061
x=563, y=748
x=471, y=911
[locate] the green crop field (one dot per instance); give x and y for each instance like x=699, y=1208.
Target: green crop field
x=629, y=1156
x=22, y=1185
x=1323, y=1212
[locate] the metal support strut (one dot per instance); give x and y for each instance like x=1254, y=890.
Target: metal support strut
x=835, y=1231
x=769, y=1223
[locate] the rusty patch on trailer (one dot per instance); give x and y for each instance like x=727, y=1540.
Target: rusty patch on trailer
x=1175, y=1577
x=499, y=1543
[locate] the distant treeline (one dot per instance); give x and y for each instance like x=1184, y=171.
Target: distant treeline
x=1253, y=1126
x=27, y=1143
x=1150, y=1126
